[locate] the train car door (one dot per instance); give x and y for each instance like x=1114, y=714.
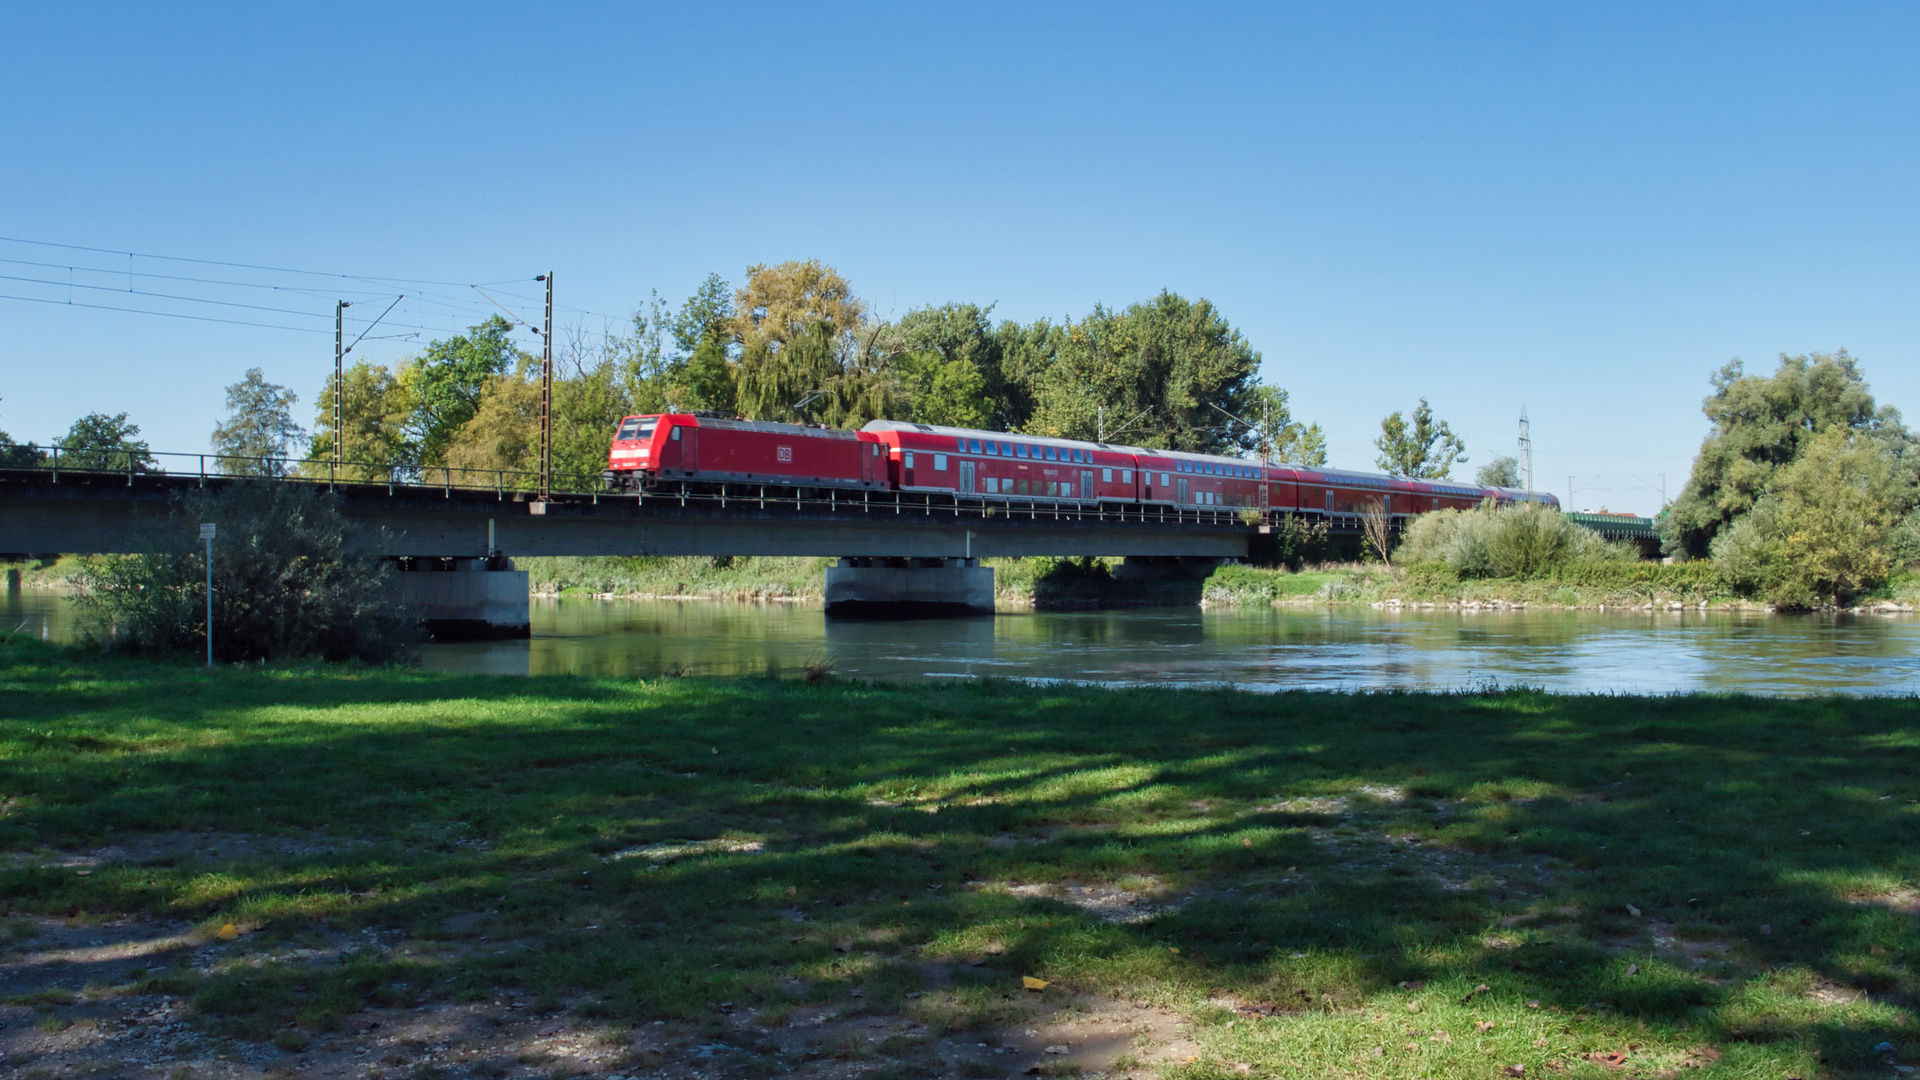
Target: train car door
x=966, y=477
x=689, y=448
x=1086, y=483
x=867, y=458
x=1182, y=487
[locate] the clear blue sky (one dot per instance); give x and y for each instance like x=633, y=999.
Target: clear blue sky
x=1585, y=209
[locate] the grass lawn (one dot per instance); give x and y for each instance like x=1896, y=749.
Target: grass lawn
x=1307, y=884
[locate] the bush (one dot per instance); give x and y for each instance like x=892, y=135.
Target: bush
x=285, y=585
x=1516, y=541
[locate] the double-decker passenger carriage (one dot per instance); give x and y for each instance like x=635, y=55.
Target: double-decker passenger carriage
x=959, y=461
x=707, y=450
x=697, y=452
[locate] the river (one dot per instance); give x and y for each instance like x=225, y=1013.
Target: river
x=1320, y=648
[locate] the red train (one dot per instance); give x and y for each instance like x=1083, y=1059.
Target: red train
x=891, y=455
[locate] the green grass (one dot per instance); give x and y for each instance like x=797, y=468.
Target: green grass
x=653, y=849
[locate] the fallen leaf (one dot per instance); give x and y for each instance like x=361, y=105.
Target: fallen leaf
x=227, y=932
x=1483, y=988
x=1633, y=911
x=1534, y=1004
x=1614, y=1060
x=1032, y=983
x=1242, y=1067
x=1173, y=948
x=1440, y=1037
x=1483, y=1025
x=1413, y=984
x=1246, y=843
x=1413, y=1006
x=1057, y=1050
x=1633, y=969
x=1515, y=1070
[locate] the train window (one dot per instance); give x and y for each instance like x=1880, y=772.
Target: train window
x=1126, y=476
x=1052, y=455
x=676, y=433
x=1106, y=476
x=939, y=463
x=906, y=459
x=1165, y=480
x=960, y=445
x=1006, y=449
x=976, y=445
x=1020, y=450
x=993, y=448
x=993, y=485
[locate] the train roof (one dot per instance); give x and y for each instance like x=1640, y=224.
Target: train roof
x=772, y=427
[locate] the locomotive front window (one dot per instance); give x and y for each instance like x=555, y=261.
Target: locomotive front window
x=637, y=428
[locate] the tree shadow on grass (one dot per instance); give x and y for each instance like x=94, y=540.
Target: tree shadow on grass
x=1305, y=853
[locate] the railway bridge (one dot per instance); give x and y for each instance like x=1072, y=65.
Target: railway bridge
x=895, y=550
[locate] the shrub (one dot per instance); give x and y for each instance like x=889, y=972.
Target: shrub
x=1520, y=540
x=285, y=585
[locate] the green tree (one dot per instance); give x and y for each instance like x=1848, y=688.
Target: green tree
x=942, y=358
x=445, y=384
x=259, y=432
x=1760, y=423
x=1283, y=438
x=105, y=443
x=374, y=409
x=1824, y=530
x=1502, y=471
x=1425, y=449
x=1157, y=374
x=708, y=313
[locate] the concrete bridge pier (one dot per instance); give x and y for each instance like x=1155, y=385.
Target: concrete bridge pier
x=907, y=588
x=467, y=599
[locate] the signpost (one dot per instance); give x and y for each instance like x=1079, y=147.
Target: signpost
x=206, y=533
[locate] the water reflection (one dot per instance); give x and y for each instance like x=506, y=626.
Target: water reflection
x=1342, y=648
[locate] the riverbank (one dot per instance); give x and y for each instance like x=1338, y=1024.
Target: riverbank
x=294, y=872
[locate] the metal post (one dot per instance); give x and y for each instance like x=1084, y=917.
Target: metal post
x=339, y=376
x=546, y=395
x=206, y=533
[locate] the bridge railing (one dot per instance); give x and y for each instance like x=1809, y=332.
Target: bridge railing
x=108, y=462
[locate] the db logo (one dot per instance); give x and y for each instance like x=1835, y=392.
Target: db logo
x=783, y=453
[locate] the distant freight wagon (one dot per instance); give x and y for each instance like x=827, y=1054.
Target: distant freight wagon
x=993, y=466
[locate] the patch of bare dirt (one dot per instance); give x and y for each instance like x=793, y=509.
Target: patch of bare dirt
x=207, y=847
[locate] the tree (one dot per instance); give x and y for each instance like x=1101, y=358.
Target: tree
x=1502, y=471
x=785, y=301
x=259, y=430
x=1760, y=424
x=444, y=385
x=105, y=443
x=708, y=313
x=374, y=408
x=1160, y=371
x=941, y=358
x=503, y=437
x=1422, y=450
x=1280, y=436
x=1823, y=531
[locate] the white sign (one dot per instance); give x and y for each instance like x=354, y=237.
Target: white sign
x=206, y=531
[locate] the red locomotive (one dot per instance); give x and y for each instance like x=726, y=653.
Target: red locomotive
x=892, y=455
